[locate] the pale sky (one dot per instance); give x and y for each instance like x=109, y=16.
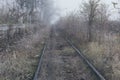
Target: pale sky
x=67, y=6
x=64, y=7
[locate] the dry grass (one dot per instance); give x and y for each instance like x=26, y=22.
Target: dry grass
x=68, y=50
x=105, y=56
x=21, y=63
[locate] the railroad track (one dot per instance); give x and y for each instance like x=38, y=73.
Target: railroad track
x=40, y=62
x=86, y=61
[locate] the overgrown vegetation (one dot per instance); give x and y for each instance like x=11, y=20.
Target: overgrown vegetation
x=23, y=31
x=24, y=26
x=21, y=61
x=96, y=35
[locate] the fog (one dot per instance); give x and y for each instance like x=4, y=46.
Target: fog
x=64, y=7
x=60, y=39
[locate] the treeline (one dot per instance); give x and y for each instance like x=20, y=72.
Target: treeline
x=25, y=11
x=92, y=19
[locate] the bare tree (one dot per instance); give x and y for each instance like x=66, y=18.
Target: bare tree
x=103, y=14
x=89, y=9
x=26, y=11
x=47, y=10
x=44, y=7
x=28, y=7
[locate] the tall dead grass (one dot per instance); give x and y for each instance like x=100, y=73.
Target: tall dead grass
x=105, y=55
x=21, y=62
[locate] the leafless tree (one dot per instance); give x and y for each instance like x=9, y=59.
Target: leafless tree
x=44, y=7
x=28, y=7
x=103, y=14
x=89, y=9
x=47, y=10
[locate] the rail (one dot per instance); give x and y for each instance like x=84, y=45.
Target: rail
x=86, y=60
x=40, y=62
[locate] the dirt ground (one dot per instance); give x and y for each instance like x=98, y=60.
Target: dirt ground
x=61, y=62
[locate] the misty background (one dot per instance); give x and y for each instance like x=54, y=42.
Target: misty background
x=61, y=8
x=25, y=26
